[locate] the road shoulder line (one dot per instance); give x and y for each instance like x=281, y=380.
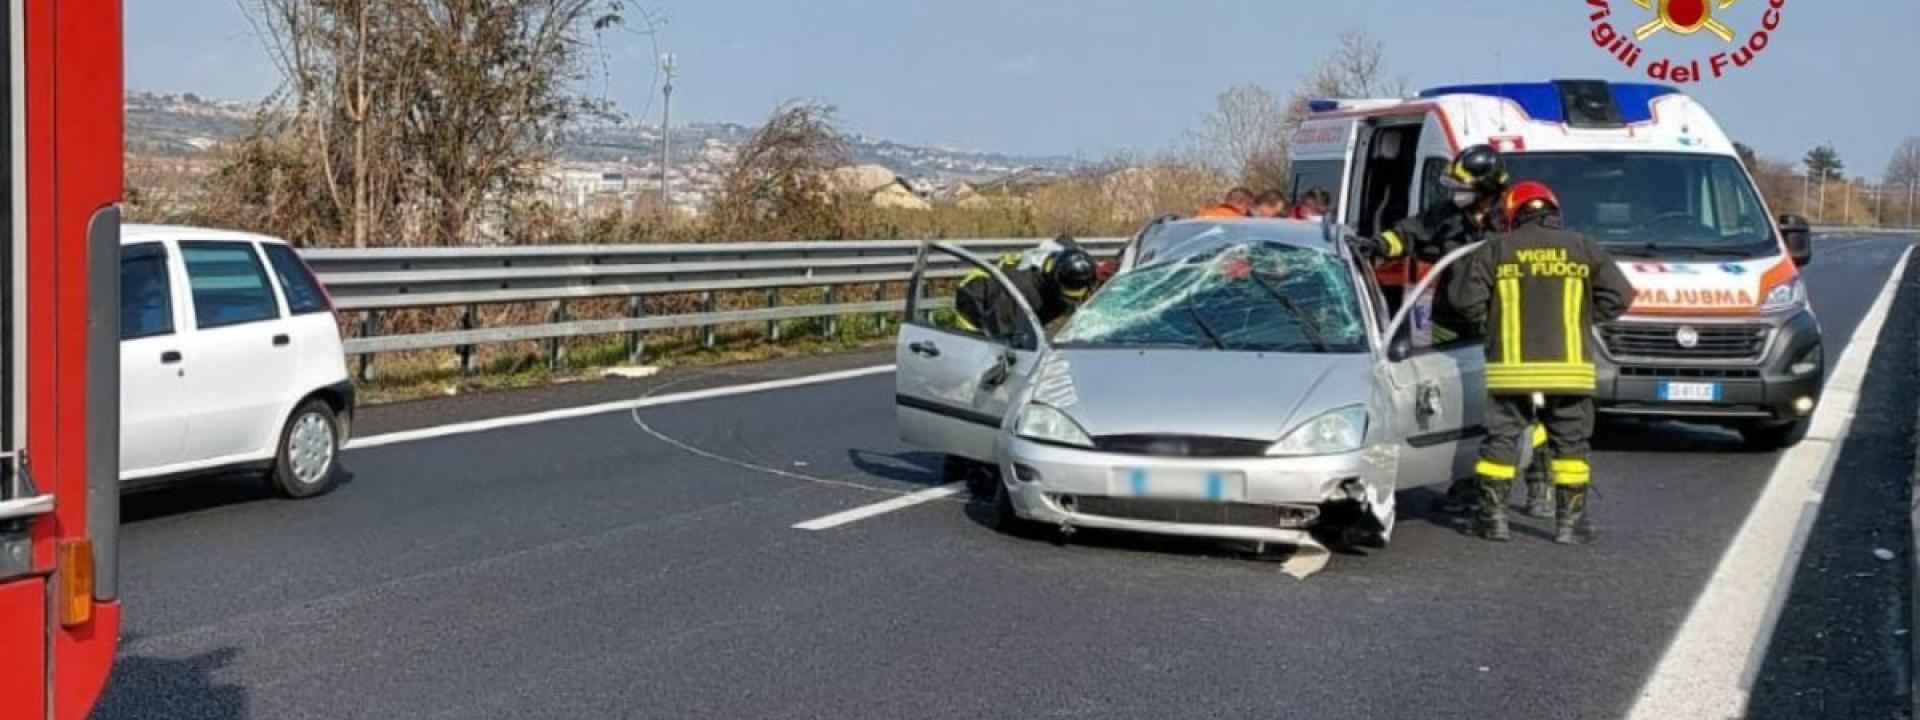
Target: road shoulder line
x=475, y=426
x=1709, y=668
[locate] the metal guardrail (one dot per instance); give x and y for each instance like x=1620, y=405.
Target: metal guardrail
x=383, y=280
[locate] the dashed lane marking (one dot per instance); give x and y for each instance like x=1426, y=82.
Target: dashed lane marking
x=880, y=508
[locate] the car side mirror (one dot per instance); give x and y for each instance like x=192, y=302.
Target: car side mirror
x=1400, y=349
x=1798, y=235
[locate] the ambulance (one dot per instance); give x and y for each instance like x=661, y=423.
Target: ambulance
x=1720, y=331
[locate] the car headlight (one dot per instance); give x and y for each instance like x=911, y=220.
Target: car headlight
x=1047, y=424
x=1789, y=294
x=1339, y=431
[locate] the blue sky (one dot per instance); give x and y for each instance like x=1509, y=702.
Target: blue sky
x=1093, y=77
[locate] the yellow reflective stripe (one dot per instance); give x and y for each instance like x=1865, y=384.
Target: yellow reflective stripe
x=1539, y=435
x=1570, y=302
x=1497, y=471
x=1460, y=172
x=961, y=320
x=1509, y=320
x=1572, y=472
x=1394, y=245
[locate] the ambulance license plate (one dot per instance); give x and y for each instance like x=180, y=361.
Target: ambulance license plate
x=1689, y=392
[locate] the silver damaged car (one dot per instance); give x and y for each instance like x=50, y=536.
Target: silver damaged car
x=1239, y=380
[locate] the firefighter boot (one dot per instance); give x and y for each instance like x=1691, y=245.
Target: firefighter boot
x=1569, y=528
x=1461, y=497
x=1491, y=521
x=1539, y=488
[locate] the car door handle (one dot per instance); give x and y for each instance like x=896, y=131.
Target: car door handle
x=170, y=357
x=282, y=340
x=925, y=349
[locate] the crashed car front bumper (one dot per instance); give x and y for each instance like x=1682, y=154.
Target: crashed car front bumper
x=1277, y=499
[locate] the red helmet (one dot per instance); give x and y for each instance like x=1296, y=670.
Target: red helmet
x=1527, y=199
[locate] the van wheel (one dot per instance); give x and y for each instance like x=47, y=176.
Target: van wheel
x=308, y=461
x=1768, y=437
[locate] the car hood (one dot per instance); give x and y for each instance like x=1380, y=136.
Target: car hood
x=1252, y=396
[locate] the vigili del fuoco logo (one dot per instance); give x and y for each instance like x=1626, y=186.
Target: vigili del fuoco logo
x=1624, y=34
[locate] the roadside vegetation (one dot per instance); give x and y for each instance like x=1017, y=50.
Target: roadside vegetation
x=424, y=123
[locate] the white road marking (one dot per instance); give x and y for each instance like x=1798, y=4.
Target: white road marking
x=1708, y=671
x=885, y=506
x=612, y=407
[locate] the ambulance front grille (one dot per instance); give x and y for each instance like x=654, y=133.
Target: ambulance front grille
x=1662, y=341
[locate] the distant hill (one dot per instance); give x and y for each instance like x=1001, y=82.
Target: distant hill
x=184, y=125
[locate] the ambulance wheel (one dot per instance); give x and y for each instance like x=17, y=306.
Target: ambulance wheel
x=1770, y=436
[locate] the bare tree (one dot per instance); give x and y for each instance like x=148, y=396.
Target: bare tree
x=411, y=115
x=1245, y=137
x=778, y=184
x=1904, y=171
x=1357, y=68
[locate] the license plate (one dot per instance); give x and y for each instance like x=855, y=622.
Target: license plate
x=1217, y=486
x=1690, y=392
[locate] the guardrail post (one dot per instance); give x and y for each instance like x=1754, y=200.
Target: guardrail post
x=467, y=322
x=707, y=337
x=773, y=326
x=637, y=340
x=557, y=347
x=833, y=321
x=366, y=328
x=880, y=293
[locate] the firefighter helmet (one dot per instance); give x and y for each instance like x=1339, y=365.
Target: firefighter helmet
x=1073, y=272
x=1478, y=168
x=1528, y=202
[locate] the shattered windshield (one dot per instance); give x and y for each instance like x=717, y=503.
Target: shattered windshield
x=1246, y=296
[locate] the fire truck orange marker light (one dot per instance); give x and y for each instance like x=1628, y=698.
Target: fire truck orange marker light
x=75, y=576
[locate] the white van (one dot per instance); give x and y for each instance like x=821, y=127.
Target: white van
x=1720, y=330
x=230, y=357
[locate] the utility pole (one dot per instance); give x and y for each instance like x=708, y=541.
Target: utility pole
x=668, y=63
x=1911, y=185
x=1823, y=196
x=1846, y=209
x=1806, y=188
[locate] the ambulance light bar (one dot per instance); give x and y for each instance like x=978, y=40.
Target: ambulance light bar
x=1576, y=103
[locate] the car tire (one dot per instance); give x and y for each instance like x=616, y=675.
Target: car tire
x=307, y=463
x=1771, y=436
x=980, y=477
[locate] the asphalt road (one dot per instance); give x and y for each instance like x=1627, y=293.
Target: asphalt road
x=643, y=565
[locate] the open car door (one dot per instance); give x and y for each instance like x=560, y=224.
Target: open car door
x=1439, y=394
x=955, y=383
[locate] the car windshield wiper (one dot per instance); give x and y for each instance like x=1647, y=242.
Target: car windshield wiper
x=1205, y=327
x=1307, y=322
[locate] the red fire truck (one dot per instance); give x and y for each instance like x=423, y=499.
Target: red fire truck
x=59, y=354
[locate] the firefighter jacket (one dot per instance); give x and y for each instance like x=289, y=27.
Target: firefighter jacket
x=1430, y=235
x=984, y=307
x=1538, y=291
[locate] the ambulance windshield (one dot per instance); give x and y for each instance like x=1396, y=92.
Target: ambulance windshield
x=1655, y=204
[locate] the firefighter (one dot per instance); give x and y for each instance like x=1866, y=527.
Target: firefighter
x=1538, y=289
x=1476, y=179
x=1054, y=278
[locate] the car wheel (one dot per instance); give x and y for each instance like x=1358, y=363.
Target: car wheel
x=308, y=460
x=1769, y=436
x=980, y=478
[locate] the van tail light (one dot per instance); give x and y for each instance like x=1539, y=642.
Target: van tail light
x=74, y=575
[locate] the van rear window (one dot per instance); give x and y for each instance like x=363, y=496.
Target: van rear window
x=304, y=295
